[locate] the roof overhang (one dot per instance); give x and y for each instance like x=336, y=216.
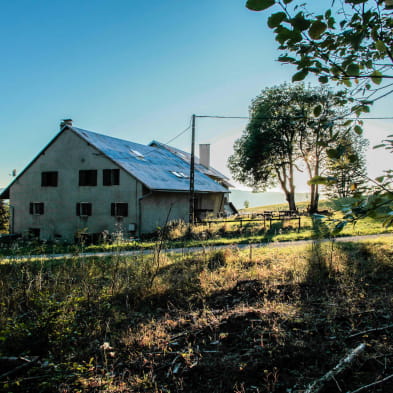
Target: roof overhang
x=5, y=193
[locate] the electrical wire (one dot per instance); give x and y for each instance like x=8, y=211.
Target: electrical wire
x=288, y=117
x=171, y=140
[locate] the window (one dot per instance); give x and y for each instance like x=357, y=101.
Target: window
x=49, y=179
x=36, y=208
x=119, y=209
x=88, y=177
x=34, y=233
x=110, y=177
x=84, y=209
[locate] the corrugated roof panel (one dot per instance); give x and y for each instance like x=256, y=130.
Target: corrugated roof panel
x=152, y=166
x=210, y=171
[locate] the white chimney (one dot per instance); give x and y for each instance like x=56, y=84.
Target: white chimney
x=204, y=154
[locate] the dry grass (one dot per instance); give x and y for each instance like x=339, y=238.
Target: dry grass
x=264, y=320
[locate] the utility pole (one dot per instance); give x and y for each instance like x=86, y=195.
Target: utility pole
x=192, y=173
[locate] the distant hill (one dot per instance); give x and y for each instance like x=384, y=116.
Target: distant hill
x=237, y=197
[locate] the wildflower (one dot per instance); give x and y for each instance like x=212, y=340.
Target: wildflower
x=105, y=346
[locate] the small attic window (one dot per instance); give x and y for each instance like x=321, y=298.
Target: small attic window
x=137, y=154
x=180, y=175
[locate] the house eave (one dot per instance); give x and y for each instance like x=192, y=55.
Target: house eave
x=5, y=194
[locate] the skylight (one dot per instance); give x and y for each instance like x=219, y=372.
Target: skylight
x=137, y=154
x=180, y=175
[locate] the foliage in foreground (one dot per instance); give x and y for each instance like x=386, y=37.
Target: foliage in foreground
x=350, y=43
x=4, y=214
x=227, y=321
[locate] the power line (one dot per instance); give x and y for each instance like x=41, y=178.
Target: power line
x=179, y=135
x=175, y=137
x=291, y=117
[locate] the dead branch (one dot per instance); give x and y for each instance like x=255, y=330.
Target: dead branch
x=363, y=388
x=343, y=364
x=28, y=363
x=371, y=331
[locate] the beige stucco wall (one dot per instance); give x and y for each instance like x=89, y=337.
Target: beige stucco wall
x=67, y=155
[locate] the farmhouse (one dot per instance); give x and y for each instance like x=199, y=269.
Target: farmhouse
x=85, y=181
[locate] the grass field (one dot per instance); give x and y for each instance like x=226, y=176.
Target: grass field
x=266, y=320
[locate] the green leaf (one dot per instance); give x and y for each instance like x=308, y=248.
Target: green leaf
x=353, y=69
x=299, y=76
x=358, y=130
x=380, y=179
x=276, y=19
x=376, y=77
x=317, y=110
x=355, y=1
x=381, y=47
x=339, y=227
x=299, y=22
x=317, y=29
x=286, y=59
x=323, y=79
x=333, y=153
x=259, y=5
x=287, y=1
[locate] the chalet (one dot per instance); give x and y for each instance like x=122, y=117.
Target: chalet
x=85, y=181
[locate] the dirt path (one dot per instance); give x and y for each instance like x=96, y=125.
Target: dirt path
x=189, y=250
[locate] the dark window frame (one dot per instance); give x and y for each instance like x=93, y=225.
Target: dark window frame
x=37, y=208
x=119, y=209
x=49, y=178
x=88, y=177
x=111, y=177
x=84, y=209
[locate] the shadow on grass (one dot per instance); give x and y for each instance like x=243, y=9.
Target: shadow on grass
x=263, y=332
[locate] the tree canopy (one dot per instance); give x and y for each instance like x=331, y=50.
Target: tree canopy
x=349, y=170
x=350, y=43
x=289, y=129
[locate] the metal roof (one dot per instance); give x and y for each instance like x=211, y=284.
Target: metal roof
x=209, y=171
x=157, y=168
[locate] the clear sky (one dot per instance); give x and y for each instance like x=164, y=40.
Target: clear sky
x=135, y=70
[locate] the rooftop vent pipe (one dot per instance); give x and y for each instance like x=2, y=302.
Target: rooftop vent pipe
x=65, y=122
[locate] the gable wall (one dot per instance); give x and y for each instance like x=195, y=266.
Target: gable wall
x=67, y=155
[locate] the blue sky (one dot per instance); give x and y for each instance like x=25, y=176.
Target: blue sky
x=132, y=69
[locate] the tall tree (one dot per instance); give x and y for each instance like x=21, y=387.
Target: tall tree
x=288, y=127
x=349, y=169
x=266, y=153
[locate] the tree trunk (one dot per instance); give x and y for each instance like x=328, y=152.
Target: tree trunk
x=314, y=199
x=288, y=187
x=290, y=197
